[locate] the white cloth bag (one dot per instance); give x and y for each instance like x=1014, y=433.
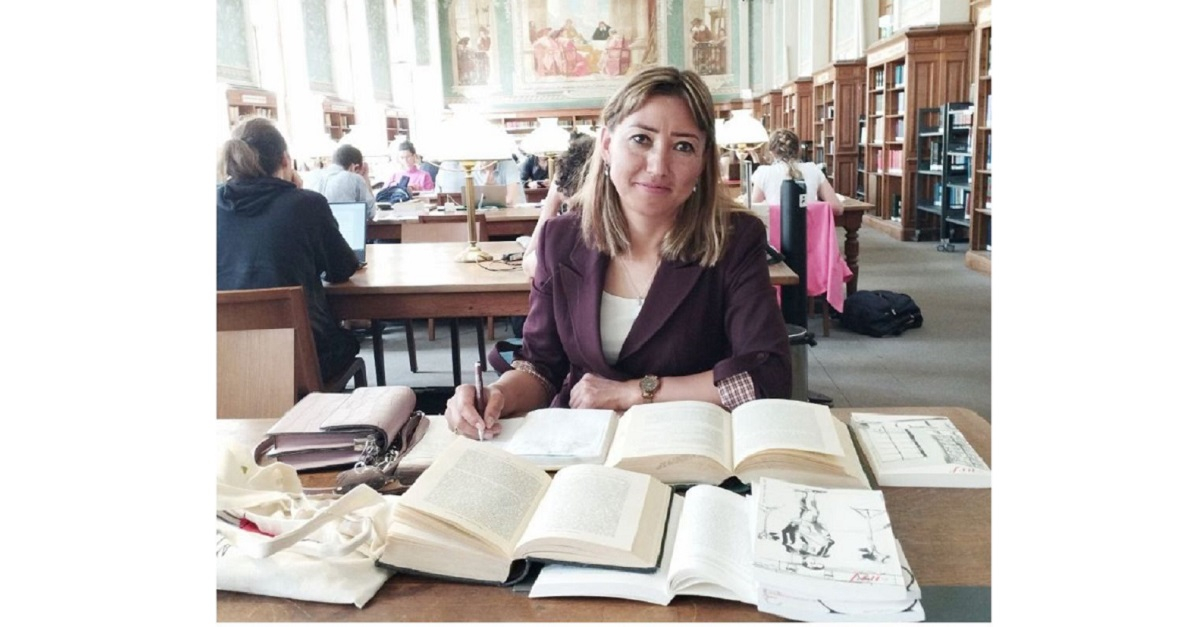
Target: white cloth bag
x=323, y=549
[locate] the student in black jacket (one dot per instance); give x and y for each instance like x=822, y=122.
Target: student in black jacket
x=273, y=233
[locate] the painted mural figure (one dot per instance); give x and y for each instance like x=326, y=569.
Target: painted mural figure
x=616, y=54
x=601, y=32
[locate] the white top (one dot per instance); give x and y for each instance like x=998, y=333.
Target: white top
x=769, y=178
x=616, y=319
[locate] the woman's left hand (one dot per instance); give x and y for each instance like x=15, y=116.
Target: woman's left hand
x=596, y=392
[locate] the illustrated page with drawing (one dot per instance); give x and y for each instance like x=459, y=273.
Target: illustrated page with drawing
x=675, y=442
x=827, y=543
x=919, y=451
x=599, y=516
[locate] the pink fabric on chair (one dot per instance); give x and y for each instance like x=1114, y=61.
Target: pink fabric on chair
x=827, y=269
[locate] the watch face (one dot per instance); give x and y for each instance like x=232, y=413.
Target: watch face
x=649, y=384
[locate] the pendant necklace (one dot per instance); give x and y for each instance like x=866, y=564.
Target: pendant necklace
x=641, y=294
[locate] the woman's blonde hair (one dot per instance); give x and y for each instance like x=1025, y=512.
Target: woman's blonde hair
x=785, y=146
x=701, y=230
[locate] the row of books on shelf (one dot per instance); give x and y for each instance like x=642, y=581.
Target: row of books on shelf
x=897, y=77
x=889, y=160
x=961, y=118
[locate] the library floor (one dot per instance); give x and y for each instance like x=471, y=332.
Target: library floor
x=946, y=362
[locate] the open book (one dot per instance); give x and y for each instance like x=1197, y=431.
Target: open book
x=478, y=509
x=552, y=438
x=711, y=547
x=919, y=451
x=325, y=430
x=685, y=442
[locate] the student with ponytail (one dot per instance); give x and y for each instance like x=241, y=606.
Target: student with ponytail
x=273, y=233
x=785, y=152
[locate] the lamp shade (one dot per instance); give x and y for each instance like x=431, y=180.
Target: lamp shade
x=741, y=129
x=547, y=139
x=370, y=144
x=467, y=136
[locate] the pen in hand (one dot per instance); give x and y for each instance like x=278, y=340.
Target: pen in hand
x=479, y=406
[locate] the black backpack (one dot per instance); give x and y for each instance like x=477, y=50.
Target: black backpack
x=879, y=312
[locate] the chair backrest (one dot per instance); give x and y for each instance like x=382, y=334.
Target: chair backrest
x=443, y=228
x=254, y=373
x=275, y=308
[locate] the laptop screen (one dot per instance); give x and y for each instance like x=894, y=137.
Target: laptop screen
x=352, y=222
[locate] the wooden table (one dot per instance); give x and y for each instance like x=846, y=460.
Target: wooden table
x=515, y=221
x=412, y=281
x=507, y=223
x=946, y=535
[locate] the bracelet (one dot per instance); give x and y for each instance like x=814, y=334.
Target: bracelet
x=528, y=368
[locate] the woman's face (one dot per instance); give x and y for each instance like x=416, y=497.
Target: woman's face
x=655, y=156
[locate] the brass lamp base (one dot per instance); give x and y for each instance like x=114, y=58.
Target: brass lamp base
x=473, y=254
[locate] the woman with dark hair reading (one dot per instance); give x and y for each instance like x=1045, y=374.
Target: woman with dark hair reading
x=567, y=176
x=657, y=288
x=273, y=233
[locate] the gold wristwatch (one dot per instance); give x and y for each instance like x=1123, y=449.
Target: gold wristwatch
x=649, y=387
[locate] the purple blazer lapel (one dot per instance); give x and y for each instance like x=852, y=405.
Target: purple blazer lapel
x=671, y=285
x=582, y=283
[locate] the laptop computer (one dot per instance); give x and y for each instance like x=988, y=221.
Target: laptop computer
x=491, y=196
x=352, y=222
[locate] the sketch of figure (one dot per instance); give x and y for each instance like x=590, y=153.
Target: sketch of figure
x=805, y=534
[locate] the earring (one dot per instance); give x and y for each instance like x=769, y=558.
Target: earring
x=606, y=170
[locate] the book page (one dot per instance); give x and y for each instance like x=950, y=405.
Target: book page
x=916, y=444
x=481, y=489
x=674, y=428
x=825, y=543
x=780, y=423
x=713, y=546
x=595, y=504
x=569, y=580
x=560, y=434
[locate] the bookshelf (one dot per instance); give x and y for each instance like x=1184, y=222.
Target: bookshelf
x=397, y=124
x=797, y=102
x=918, y=68
x=943, y=174
x=771, y=110
x=519, y=123
x=979, y=255
x=247, y=102
x=839, y=92
x=339, y=117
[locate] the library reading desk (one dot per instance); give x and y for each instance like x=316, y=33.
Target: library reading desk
x=514, y=221
x=946, y=534
x=414, y=281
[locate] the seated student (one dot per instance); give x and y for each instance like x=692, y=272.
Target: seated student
x=567, y=178
x=347, y=179
x=418, y=179
x=272, y=233
x=785, y=150
x=535, y=171
x=452, y=180
x=657, y=289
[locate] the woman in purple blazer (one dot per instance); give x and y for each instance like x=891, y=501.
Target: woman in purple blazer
x=657, y=289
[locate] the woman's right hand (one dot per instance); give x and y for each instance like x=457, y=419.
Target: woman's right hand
x=462, y=417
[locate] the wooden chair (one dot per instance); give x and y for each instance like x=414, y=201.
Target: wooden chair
x=433, y=228
x=273, y=309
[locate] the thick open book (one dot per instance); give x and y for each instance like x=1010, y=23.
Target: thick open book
x=919, y=451
x=687, y=442
x=551, y=438
x=712, y=544
x=325, y=430
x=478, y=509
